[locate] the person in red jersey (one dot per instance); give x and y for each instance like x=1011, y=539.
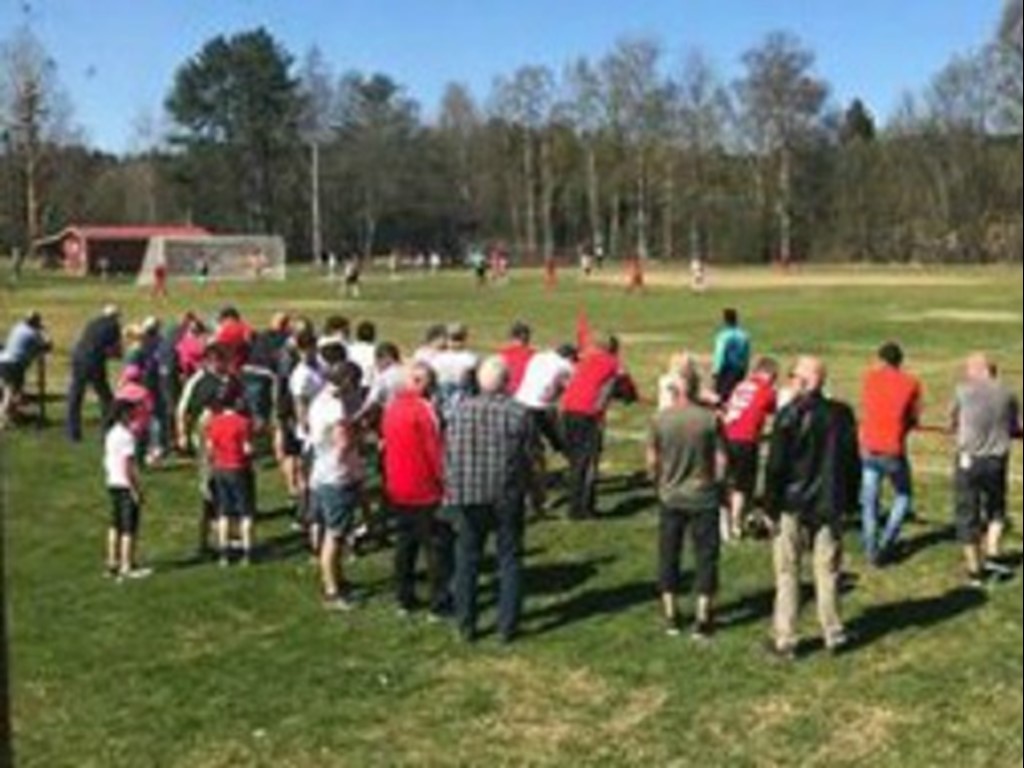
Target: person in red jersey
x=598, y=379
x=890, y=411
x=414, y=489
x=229, y=445
x=746, y=413
x=517, y=354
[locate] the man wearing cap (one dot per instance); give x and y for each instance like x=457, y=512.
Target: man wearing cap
x=26, y=343
x=100, y=341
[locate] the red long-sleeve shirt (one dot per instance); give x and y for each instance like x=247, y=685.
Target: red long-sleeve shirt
x=413, y=453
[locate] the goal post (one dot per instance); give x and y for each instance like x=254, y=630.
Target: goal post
x=215, y=257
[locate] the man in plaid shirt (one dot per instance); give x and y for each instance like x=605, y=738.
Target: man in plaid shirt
x=487, y=472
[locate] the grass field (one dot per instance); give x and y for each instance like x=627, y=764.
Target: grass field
x=200, y=668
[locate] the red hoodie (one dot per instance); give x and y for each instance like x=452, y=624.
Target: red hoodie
x=413, y=453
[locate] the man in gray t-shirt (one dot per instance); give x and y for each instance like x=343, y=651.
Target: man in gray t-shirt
x=987, y=419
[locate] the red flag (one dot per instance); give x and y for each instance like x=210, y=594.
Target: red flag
x=584, y=334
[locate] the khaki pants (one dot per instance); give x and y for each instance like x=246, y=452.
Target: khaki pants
x=791, y=541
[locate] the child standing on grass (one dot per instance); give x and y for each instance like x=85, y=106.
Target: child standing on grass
x=125, y=492
x=229, y=445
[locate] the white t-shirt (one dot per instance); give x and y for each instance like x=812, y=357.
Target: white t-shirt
x=330, y=465
x=364, y=355
x=388, y=384
x=454, y=366
x=118, y=447
x=305, y=383
x=546, y=376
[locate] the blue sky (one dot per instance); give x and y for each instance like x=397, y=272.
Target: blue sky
x=117, y=57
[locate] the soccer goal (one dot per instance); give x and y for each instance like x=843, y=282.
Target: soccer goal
x=215, y=257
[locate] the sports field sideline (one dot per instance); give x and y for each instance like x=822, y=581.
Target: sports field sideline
x=196, y=667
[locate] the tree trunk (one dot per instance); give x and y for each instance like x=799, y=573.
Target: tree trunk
x=668, y=221
x=530, y=194
x=784, y=209
x=615, y=226
x=547, y=196
x=594, y=200
x=641, y=210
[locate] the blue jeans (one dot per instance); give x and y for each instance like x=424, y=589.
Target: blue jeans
x=474, y=525
x=877, y=469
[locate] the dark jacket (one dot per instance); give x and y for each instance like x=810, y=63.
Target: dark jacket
x=814, y=467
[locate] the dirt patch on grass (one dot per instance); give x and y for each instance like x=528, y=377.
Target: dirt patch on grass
x=543, y=714
x=769, y=279
x=966, y=316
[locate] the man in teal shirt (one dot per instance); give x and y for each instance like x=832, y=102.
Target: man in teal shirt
x=732, y=355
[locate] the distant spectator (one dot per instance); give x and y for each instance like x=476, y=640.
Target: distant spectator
x=229, y=443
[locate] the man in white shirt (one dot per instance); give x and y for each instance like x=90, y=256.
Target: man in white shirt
x=363, y=352
x=336, y=478
x=547, y=373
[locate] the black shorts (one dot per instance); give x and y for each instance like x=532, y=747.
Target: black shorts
x=12, y=375
x=124, y=512
x=234, y=492
x=981, y=487
x=744, y=465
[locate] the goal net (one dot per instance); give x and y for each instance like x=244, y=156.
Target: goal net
x=215, y=257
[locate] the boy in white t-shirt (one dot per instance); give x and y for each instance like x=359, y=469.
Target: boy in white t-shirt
x=122, y=479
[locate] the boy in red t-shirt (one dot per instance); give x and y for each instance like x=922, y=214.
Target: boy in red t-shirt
x=743, y=421
x=229, y=445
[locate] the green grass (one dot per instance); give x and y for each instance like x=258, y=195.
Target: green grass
x=198, y=667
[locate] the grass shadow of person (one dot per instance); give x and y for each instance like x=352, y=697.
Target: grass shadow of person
x=590, y=605
x=879, y=622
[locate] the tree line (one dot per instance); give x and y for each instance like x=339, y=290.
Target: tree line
x=624, y=153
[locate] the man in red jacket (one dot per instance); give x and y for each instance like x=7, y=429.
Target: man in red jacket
x=414, y=489
x=598, y=379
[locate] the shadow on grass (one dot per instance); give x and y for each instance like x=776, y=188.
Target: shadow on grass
x=914, y=546
x=591, y=605
x=877, y=623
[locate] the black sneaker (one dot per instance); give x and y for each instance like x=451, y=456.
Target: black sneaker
x=672, y=627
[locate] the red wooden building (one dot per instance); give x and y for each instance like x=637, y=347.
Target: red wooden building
x=90, y=250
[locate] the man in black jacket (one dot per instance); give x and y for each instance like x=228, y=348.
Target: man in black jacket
x=100, y=341
x=812, y=483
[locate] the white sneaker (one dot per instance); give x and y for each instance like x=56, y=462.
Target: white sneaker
x=136, y=574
